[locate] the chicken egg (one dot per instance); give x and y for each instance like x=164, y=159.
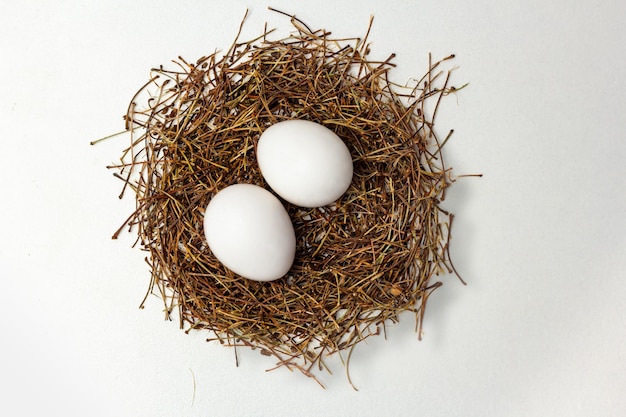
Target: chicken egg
x=249, y=232
x=304, y=162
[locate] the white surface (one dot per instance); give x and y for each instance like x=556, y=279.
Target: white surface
x=539, y=331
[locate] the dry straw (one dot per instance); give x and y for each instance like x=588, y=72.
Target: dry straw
x=361, y=262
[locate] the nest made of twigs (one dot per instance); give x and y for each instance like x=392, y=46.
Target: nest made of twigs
x=359, y=262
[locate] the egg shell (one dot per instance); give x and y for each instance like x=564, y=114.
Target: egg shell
x=249, y=232
x=304, y=162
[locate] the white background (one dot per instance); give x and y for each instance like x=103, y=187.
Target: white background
x=539, y=331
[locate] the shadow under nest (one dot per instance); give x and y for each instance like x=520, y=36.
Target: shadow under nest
x=359, y=262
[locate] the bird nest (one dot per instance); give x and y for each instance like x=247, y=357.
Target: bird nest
x=361, y=261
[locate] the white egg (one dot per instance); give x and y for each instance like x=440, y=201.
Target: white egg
x=250, y=232
x=304, y=162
